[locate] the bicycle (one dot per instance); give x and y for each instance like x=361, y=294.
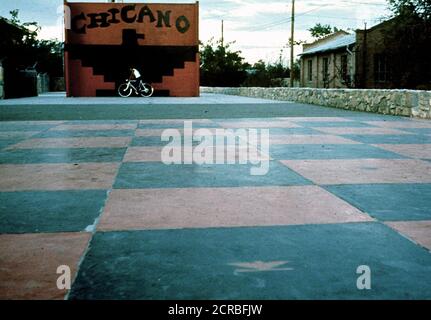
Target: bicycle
x=126, y=89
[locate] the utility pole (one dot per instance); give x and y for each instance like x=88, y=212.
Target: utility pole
x=222, y=33
x=292, y=42
x=364, y=57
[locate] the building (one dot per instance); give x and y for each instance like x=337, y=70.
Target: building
x=373, y=58
x=329, y=62
x=343, y=60
x=103, y=40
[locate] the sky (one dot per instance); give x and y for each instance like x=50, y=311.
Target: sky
x=259, y=29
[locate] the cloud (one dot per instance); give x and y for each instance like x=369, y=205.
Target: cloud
x=253, y=9
x=51, y=32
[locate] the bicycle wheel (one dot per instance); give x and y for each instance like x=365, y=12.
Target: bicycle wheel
x=124, y=90
x=146, y=90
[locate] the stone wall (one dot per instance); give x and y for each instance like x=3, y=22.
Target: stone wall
x=42, y=83
x=410, y=103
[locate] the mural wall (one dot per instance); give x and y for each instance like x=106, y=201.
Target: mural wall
x=103, y=40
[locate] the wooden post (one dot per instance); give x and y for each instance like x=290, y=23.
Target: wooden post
x=292, y=43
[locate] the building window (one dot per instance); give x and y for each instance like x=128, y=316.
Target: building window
x=381, y=68
x=344, y=67
x=310, y=70
x=325, y=69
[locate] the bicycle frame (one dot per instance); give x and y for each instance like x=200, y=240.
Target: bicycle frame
x=130, y=84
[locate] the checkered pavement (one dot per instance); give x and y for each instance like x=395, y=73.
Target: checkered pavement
x=94, y=195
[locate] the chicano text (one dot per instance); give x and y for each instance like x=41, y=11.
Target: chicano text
x=128, y=14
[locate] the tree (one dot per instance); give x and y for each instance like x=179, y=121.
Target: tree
x=20, y=48
x=23, y=55
x=220, y=66
x=421, y=8
x=319, y=30
x=267, y=75
x=408, y=43
x=258, y=76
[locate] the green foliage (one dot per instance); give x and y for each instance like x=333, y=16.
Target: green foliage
x=319, y=30
x=420, y=8
x=220, y=66
x=266, y=75
x=49, y=57
x=20, y=48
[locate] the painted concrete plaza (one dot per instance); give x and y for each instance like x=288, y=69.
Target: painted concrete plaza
x=82, y=184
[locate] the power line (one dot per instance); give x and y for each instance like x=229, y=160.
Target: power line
x=343, y=18
x=270, y=25
x=277, y=23
x=364, y=3
x=226, y=14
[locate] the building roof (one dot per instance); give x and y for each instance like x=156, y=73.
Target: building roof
x=7, y=21
x=343, y=40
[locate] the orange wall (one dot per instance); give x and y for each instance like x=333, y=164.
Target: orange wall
x=184, y=82
x=84, y=83
x=154, y=36
x=109, y=31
